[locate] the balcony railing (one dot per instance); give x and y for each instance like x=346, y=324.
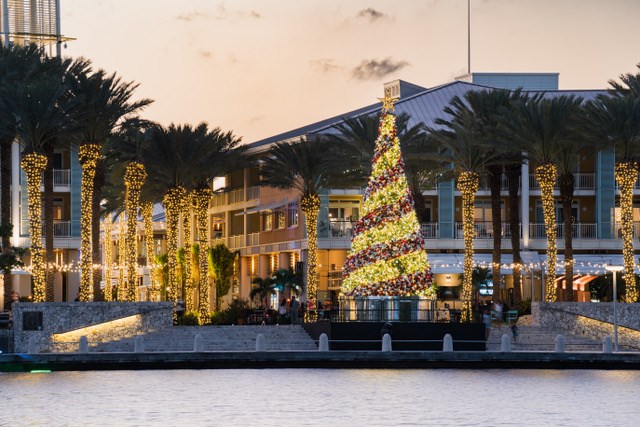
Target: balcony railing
x=236, y=195
x=581, y=230
x=341, y=229
x=253, y=193
x=617, y=232
x=483, y=230
x=236, y=241
x=61, y=177
x=253, y=239
x=430, y=230
x=583, y=181
x=217, y=241
x=484, y=183
x=60, y=229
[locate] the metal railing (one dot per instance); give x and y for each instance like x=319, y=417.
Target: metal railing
x=253, y=239
x=583, y=181
x=341, y=229
x=392, y=309
x=61, y=177
x=61, y=229
x=581, y=230
x=429, y=230
x=253, y=193
x=484, y=183
x=617, y=230
x=483, y=230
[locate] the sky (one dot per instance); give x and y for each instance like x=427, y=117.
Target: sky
x=262, y=67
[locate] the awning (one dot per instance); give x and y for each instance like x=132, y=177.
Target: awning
x=267, y=207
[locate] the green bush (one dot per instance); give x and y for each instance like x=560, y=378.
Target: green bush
x=230, y=315
x=189, y=319
x=525, y=307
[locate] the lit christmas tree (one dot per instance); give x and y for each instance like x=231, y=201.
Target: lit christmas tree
x=388, y=255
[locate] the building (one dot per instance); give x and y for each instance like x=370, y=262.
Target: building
x=266, y=225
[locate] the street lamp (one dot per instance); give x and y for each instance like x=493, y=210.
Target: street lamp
x=614, y=269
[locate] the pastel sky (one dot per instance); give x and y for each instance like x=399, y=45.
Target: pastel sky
x=261, y=67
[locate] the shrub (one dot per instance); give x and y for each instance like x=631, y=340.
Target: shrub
x=189, y=319
x=230, y=315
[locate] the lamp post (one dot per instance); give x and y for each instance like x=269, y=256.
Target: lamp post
x=614, y=269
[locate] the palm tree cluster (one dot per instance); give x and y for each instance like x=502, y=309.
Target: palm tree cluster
x=128, y=164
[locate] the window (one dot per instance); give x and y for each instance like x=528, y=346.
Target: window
x=267, y=222
x=482, y=211
x=280, y=220
x=292, y=215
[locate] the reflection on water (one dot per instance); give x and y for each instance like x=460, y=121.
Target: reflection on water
x=322, y=397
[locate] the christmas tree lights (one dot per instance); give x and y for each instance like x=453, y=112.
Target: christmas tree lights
x=546, y=177
x=34, y=165
x=188, y=264
x=121, y=291
x=108, y=292
x=626, y=175
x=201, y=198
x=172, y=202
x=88, y=155
x=468, y=185
x=310, y=206
x=134, y=178
x=387, y=255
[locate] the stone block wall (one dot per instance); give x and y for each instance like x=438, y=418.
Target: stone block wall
x=58, y=326
x=593, y=320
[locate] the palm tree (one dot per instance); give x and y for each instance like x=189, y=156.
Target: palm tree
x=542, y=126
x=262, y=290
x=614, y=122
x=221, y=262
x=629, y=86
x=105, y=102
x=16, y=64
x=469, y=157
x=302, y=166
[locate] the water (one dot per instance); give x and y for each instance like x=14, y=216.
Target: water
x=321, y=397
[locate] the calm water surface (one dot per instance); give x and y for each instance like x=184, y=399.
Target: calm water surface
x=322, y=397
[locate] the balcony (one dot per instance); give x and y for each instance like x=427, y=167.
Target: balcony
x=484, y=183
x=253, y=239
x=341, y=229
x=430, y=230
x=483, y=230
x=236, y=242
x=61, y=229
x=617, y=231
x=581, y=230
x=583, y=181
x=253, y=193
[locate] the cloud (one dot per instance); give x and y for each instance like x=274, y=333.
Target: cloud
x=324, y=65
x=221, y=13
x=371, y=14
x=205, y=53
x=374, y=68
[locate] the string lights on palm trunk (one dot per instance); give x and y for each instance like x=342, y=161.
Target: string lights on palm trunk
x=468, y=183
x=201, y=198
x=134, y=178
x=546, y=176
x=626, y=175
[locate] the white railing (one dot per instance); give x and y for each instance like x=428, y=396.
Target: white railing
x=617, y=232
x=341, y=229
x=583, y=181
x=581, y=230
x=484, y=183
x=236, y=241
x=61, y=177
x=253, y=239
x=217, y=241
x=219, y=199
x=60, y=228
x=430, y=230
x=253, y=193
x=483, y=230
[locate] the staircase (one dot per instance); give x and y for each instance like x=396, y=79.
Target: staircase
x=216, y=338
x=535, y=338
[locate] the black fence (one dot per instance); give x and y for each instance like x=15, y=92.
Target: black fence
x=393, y=309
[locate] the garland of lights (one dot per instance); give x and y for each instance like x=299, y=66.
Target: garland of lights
x=546, y=176
x=121, y=291
x=188, y=263
x=310, y=206
x=387, y=255
x=134, y=178
x=146, y=209
x=626, y=175
x=201, y=198
x=468, y=185
x=172, y=202
x=34, y=165
x=108, y=291
x=88, y=155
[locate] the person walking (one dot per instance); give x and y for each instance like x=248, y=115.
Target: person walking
x=295, y=306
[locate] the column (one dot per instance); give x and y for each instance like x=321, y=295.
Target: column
x=524, y=203
x=605, y=193
x=15, y=190
x=446, y=223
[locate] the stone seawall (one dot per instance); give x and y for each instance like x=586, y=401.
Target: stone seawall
x=56, y=326
x=592, y=320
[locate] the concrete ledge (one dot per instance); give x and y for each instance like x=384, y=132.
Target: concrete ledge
x=317, y=359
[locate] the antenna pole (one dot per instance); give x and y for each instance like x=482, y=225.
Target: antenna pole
x=469, y=37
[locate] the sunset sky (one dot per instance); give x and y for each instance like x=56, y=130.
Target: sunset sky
x=261, y=67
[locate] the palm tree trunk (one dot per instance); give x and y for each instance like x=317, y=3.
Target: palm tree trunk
x=172, y=202
x=566, y=182
x=310, y=205
x=188, y=254
x=201, y=199
x=50, y=258
x=88, y=154
x=513, y=177
x=546, y=176
x=146, y=209
x=5, y=209
x=134, y=177
x=626, y=175
x=121, y=290
x=468, y=186
x=96, y=213
x=34, y=165
x=108, y=291
x=495, y=184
